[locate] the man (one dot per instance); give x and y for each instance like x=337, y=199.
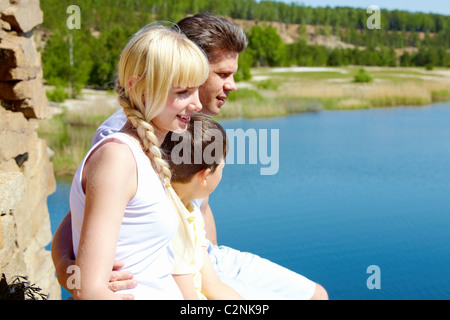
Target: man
x=253, y=277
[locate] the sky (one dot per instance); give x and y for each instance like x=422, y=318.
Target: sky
x=426, y=6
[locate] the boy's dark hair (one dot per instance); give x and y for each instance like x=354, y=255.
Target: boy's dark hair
x=215, y=35
x=202, y=133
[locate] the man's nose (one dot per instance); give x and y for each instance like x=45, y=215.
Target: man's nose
x=230, y=84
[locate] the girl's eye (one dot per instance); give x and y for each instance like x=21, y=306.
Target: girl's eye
x=186, y=91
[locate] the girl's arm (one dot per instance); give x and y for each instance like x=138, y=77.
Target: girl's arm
x=109, y=182
x=212, y=287
x=186, y=285
x=63, y=258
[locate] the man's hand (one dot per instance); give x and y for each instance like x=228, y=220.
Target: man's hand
x=121, y=280
x=63, y=258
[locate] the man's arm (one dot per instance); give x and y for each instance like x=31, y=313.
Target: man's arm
x=210, y=224
x=63, y=257
x=62, y=250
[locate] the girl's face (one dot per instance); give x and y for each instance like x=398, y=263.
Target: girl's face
x=175, y=117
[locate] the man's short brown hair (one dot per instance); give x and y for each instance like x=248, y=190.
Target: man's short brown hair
x=215, y=35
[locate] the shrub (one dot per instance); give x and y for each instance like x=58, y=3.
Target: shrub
x=58, y=94
x=20, y=289
x=267, y=85
x=363, y=76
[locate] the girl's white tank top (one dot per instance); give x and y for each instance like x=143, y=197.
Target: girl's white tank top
x=148, y=226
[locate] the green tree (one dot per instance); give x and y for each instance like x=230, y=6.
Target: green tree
x=66, y=60
x=245, y=64
x=268, y=48
x=335, y=58
x=105, y=55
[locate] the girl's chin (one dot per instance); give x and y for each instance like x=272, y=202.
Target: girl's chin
x=180, y=128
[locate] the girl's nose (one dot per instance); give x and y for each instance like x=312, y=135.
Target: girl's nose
x=195, y=105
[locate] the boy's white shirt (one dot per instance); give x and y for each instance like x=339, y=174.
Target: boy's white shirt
x=190, y=261
x=187, y=261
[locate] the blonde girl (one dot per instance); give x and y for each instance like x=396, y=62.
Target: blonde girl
x=121, y=199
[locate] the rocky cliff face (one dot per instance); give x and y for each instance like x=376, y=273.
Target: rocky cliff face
x=26, y=174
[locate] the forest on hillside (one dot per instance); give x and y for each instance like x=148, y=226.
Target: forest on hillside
x=88, y=56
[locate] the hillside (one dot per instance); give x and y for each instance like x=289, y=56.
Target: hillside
x=290, y=32
x=280, y=35
x=314, y=34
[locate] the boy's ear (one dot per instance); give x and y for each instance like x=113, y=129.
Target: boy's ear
x=202, y=176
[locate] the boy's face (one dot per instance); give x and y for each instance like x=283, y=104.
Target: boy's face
x=213, y=179
x=205, y=182
x=219, y=84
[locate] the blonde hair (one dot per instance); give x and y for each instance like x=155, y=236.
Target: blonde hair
x=155, y=60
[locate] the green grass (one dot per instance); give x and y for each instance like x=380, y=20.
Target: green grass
x=69, y=135
x=440, y=95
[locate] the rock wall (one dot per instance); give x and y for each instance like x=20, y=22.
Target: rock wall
x=26, y=173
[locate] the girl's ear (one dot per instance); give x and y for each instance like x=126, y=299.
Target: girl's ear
x=132, y=83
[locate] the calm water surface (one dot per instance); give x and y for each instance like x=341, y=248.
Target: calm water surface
x=354, y=189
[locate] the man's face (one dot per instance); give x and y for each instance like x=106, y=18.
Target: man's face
x=219, y=84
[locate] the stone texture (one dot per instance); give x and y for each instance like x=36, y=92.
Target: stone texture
x=23, y=15
x=26, y=96
x=21, y=88
x=20, y=59
x=4, y=4
x=26, y=173
x=15, y=134
x=12, y=190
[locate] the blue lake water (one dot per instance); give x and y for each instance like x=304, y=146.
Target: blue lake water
x=354, y=189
